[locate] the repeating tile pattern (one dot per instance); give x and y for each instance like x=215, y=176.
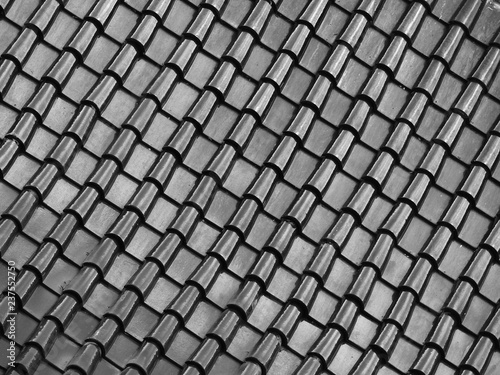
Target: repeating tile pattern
x=251, y=187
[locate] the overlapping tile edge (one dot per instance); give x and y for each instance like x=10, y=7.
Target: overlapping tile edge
x=269, y=355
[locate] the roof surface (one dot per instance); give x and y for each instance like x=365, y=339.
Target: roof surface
x=262, y=187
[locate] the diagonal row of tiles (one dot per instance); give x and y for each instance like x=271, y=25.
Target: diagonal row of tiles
x=297, y=218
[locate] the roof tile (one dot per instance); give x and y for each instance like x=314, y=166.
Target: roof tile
x=261, y=100
x=43, y=16
x=257, y=18
x=205, y=274
x=393, y=54
x=143, y=280
x=222, y=78
x=442, y=333
x=336, y=62
x=225, y=245
x=265, y=351
x=144, y=357
x=243, y=218
x=341, y=230
x=225, y=328
x=43, y=180
x=22, y=208
x=360, y=201
x=476, y=270
x=252, y=223
x=282, y=155
x=386, y=339
x=305, y=293
x=478, y=356
x=400, y=311
x=23, y=129
x=165, y=249
x=327, y=343
x=143, y=32
x=379, y=171
x=262, y=271
x=353, y=31
x=240, y=48
x=468, y=99
x=360, y=289
x=429, y=80
x=471, y=186
x=7, y=71
x=465, y=16
x=86, y=359
x=373, y=88
x=199, y=27
x=357, y=117
x=414, y=110
x=450, y=44
x=367, y=364
x=455, y=213
x=157, y=8
x=286, y=322
x=61, y=70
x=311, y=365
x=101, y=12
x=484, y=72
x=310, y=16
x=19, y=49
x=410, y=23
x=457, y=304
x=124, y=307
x=345, y=317
x=416, y=190
x=101, y=258
x=40, y=102
x=82, y=285
x=164, y=81
x=398, y=139
x=317, y=94
x=297, y=40
x=318, y=181
x=243, y=301
x=368, y=8
x=105, y=333
x=162, y=170
x=427, y=361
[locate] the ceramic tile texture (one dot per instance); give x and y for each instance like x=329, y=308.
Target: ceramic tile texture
x=251, y=187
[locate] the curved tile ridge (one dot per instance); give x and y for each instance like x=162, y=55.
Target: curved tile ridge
x=357, y=239
x=454, y=311
x=468, y=283
x=53, y=81
x=357, y=298
x=451, y=318
x=125, y=306
x=19, y=136
x=15, y=56
x=411, y=289
x=359, y=292
x=56, y=164
x=57, y=161
x=214, y=173
x=414, y=195
x=39, y=266
x=479, y=355
x=298, y=216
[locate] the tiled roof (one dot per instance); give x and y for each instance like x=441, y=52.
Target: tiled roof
x=255, y=187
